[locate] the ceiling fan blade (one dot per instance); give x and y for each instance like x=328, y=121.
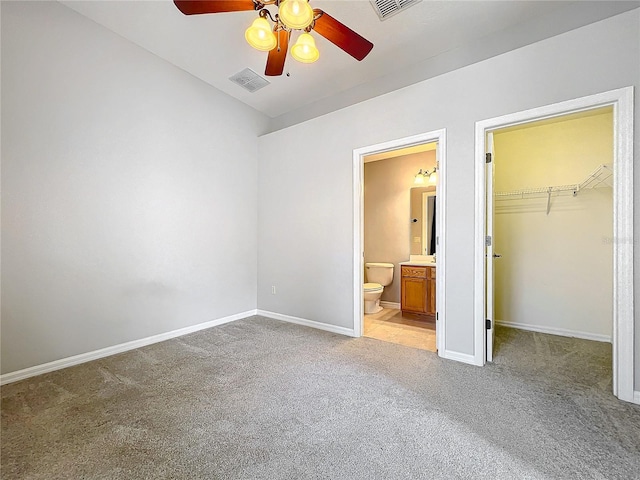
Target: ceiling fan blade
x=277, y=56
x=195, y=7
x=341, y=35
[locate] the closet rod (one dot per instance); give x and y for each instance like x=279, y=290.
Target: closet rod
x=543, y=190
x=600, y=177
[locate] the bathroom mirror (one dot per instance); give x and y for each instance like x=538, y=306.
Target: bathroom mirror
x=423, y=220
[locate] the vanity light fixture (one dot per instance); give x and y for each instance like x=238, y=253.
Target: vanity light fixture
x=422, y=177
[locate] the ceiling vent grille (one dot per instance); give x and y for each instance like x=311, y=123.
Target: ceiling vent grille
x=249, y=80
x=388, y=8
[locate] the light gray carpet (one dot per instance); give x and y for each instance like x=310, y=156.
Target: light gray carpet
x=260, y=398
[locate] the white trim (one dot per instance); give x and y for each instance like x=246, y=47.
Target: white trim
x=458, y=357
x=358, y=239
x=479, y=267
x=623, y=197
x=307, y=323
x=439, y=136
x=636, y=397
x=441, y=227
x=563, y=332
x=385, y=304
x=115, y=349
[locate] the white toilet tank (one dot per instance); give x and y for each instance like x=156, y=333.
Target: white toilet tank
x=381, y=273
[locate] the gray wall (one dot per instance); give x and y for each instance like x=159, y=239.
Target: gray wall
x=305, y=203
x=128, y=191
x=128, y=199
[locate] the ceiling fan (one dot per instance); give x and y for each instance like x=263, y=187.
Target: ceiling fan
x=292, y=15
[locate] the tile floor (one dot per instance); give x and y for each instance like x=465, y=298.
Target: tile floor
x=390, y=326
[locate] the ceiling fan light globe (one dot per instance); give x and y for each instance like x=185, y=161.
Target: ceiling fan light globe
x=260, y=36
x=296, y=14
x=305, y=50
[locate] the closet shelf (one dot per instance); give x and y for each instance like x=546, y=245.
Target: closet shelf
x=600, y=177
x=557, y=189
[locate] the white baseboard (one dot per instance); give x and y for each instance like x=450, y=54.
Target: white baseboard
x=636, y=397
x=459, y=357
x=307, y=323
x=555, y=331
x=385, y=304
x=123, y=347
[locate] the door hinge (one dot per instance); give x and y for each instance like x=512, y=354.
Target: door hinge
x=437, y=240
x=436, y=316
x=487, y=241
x=487, y=157
x=488, y=324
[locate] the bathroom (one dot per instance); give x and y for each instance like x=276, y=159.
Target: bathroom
x=399, y=246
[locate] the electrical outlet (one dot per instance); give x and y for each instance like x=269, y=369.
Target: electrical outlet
x=273, y=289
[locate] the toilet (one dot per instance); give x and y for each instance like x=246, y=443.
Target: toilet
x=379, y=275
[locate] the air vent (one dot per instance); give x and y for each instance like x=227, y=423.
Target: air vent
x=388, y=8
x=249, y=80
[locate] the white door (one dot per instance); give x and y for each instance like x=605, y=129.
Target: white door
x=490, y=330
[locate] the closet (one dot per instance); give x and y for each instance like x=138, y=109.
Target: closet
x=553, y=221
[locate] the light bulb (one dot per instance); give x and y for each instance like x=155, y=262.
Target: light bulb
x=296, y=14
x=305, y=50
x=260, y=36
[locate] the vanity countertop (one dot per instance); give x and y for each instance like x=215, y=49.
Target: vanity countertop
x=419, y=263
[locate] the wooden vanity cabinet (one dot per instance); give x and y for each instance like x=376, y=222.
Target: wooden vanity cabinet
x=418, y=289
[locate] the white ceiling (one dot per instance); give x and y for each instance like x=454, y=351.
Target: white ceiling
x=212, y=47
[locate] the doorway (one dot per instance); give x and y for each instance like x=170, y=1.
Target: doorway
x=399, y=222
x=366, y=154
x=620, y=101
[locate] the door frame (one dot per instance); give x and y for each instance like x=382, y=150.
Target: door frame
x=424, y=219
x=489, y=266
x=623, y=290
x=439, y=136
